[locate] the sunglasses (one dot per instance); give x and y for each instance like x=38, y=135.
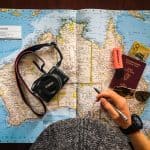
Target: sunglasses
x=141, y=96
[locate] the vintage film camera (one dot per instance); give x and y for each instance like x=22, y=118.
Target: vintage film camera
x=49, y=83
x=45, y=87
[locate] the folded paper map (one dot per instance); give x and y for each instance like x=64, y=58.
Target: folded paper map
x=86, y=39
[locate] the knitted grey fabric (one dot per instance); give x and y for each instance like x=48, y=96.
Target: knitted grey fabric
x=80, y=134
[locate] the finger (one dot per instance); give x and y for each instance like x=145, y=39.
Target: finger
x=112, y=96
x=109, y=108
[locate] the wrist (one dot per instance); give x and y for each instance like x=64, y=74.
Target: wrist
x=135, y=126
x=134, y=134
x=127, y=125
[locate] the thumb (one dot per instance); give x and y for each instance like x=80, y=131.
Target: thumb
x=109, y=108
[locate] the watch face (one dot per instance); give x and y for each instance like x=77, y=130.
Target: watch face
x=137, y=122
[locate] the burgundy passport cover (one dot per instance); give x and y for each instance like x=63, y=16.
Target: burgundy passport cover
x=133, y=70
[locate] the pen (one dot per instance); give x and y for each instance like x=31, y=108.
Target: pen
x=117, y=110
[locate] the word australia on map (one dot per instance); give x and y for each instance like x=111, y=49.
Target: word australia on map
x=86, y=39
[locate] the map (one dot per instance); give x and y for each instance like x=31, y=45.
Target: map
x=86, y=38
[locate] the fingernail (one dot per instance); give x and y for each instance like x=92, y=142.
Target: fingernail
x=97, y=100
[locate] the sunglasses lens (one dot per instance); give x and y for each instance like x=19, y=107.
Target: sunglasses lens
x=142, y=96
x=123, y=91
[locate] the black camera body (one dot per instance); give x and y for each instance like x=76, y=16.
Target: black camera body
x=49, y=83
x=45, y=87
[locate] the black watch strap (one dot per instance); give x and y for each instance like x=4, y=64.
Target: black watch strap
x=135, y=126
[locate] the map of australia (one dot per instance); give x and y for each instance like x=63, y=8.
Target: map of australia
x=86, y=39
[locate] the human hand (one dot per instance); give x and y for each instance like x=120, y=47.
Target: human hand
x=109, y=98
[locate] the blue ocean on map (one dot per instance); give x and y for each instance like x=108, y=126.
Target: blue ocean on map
x=25, y=129
x=132, y=29
x=9, y=46
x=32, y=27
x=94, y=30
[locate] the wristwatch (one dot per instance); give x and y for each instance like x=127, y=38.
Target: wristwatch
x=136, y=125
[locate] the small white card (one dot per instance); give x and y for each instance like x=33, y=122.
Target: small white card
x=10, y=32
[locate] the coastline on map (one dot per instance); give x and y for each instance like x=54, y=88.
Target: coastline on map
x=36, y=125
x=30, y=129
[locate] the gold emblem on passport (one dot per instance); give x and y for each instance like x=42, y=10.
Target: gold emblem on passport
x=139, y=51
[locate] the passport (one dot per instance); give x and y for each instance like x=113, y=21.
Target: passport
x=133, y=70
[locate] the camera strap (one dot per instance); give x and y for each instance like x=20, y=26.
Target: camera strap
x=20, y=81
